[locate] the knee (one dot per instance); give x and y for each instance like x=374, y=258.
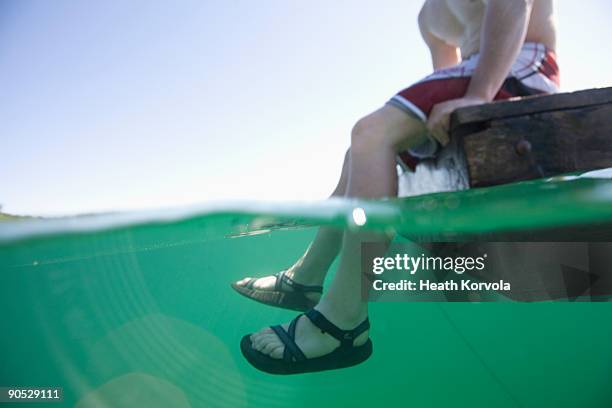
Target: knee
x=368, y=133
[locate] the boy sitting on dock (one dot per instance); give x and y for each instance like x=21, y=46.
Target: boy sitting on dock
x=481, y=50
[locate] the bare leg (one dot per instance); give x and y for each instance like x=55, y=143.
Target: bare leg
x=312, y=267
x=375, y=141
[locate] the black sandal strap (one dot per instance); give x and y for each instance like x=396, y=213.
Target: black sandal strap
x=292, y=350
x=278, y=285
x=345, y=337
x=291, y=332
x=281, y=278
x=249, y=284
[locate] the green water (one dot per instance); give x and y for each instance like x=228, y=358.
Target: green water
x=136, y=309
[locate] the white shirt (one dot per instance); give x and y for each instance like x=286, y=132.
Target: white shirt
x=456, y=22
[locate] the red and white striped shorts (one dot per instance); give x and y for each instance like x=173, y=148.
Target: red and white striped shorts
x=535, y=71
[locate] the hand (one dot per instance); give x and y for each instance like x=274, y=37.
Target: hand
x=439, y=117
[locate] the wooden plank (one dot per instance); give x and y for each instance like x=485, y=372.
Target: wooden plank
x=527, y=106
x=540, y=145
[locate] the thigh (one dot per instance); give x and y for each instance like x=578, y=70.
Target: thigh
x=391, y=126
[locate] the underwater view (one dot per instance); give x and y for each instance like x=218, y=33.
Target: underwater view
x=136, y=309
x=323, y=204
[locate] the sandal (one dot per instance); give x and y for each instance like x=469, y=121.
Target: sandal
x=295, y=299
x=295, y=362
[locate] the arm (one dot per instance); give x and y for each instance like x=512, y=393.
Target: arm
x=442, y=54
x=500, y=44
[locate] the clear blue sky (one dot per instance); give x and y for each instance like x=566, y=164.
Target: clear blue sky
x=112, y=105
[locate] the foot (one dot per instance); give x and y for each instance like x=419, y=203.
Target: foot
x=269, y=283
x=308, y=337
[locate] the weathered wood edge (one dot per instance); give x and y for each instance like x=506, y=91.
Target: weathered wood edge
x=529, y=105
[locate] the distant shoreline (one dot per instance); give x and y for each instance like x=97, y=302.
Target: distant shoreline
x=11, y=217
